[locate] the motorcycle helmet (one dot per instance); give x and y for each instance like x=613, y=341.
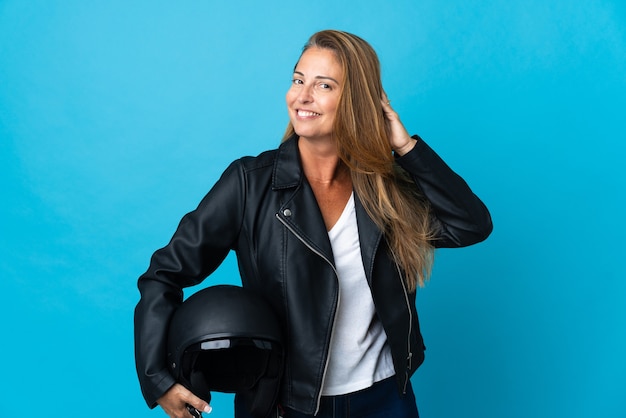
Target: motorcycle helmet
x=227, y=339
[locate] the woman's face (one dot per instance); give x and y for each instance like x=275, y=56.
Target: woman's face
x=314, y=94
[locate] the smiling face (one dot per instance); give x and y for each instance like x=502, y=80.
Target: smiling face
x=314, y=94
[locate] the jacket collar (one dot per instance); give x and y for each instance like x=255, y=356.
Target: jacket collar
x=287, y=167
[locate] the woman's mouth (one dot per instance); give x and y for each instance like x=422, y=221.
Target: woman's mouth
x=307, y=113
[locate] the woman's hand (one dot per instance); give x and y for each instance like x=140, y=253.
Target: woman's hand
x=174, y=402
x=400, y=140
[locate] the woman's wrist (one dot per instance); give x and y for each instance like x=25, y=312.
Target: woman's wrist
x=410, y=144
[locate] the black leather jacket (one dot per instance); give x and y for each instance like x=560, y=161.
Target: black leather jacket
x=263, y=208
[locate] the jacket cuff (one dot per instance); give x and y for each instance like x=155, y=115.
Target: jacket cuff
x=152, y=394
x=413, y=155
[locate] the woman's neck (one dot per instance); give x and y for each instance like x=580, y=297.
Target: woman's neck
x=321, y=163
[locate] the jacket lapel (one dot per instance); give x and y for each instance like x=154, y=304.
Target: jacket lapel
x=299, y=210
x=369, y=237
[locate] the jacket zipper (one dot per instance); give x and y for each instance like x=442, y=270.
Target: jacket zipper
x=332, y=330
x=410, y=354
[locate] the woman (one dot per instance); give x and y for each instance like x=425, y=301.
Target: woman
x=336, y=228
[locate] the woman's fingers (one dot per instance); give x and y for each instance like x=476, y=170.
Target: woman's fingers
x=174, y=402
x=399, y=139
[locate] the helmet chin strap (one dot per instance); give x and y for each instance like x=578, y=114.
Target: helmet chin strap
x=193, y=411
x=199, y=385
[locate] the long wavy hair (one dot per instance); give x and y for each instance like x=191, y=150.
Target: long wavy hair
x=362, y=135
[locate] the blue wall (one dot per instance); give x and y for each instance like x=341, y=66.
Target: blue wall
x=116, y=117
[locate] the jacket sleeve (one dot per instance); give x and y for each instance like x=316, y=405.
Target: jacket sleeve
x=201, y=242
x=461, y=217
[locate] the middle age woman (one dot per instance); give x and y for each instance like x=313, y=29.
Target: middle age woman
x=337, y=229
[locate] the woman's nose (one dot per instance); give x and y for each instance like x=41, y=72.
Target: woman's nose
x=305, y=95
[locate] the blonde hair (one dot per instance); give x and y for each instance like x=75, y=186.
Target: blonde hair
x=361, y=133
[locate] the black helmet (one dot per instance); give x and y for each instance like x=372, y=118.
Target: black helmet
x=227, y=339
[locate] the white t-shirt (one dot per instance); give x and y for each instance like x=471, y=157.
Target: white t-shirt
x=359, y=353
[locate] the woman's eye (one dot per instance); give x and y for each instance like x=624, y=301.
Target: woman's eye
x=324, y=86
x=296, y=81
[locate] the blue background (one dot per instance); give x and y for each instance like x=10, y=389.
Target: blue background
x=116, y=117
